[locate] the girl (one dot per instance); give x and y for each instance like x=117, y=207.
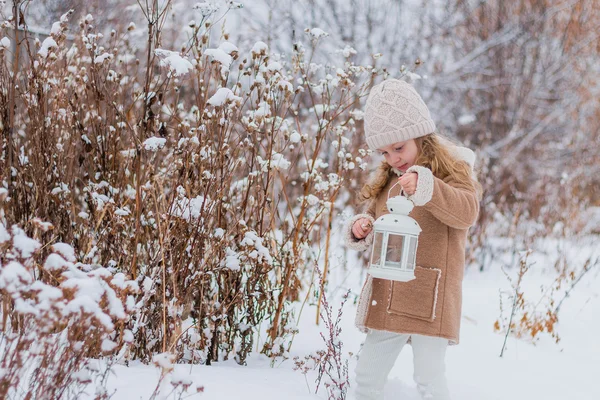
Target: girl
x=437, y=176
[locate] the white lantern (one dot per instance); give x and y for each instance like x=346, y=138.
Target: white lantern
x=394, y=251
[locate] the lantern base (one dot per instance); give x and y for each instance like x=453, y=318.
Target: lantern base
x=400, y=276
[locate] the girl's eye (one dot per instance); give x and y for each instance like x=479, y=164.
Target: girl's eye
x=399, y=148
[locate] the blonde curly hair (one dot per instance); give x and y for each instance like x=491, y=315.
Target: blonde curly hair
x=433, y=154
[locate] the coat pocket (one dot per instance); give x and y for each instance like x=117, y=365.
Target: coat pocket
x=416, y=298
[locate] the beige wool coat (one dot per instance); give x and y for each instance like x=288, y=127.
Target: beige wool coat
x=430, y=304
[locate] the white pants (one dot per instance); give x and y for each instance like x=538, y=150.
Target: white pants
x=379, y=354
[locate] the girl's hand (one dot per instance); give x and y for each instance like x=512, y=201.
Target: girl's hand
x=361, y=228
x=409, y=183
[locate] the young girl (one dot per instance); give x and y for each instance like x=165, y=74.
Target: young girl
x=437, y=176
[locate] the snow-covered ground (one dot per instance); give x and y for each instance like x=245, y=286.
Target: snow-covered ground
x=549, y=371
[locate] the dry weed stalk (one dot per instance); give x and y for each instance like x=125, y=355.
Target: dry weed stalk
x=529, y=319
x=329, y=362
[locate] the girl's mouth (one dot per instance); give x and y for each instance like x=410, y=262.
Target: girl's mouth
x=403, y=167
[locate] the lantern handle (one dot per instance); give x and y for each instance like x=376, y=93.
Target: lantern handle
x=402, y=192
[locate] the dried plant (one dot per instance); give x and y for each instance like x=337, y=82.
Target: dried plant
x=529, y=323
x=57, y=314
x=528, y=318
x=329, y=362
x=204, y=174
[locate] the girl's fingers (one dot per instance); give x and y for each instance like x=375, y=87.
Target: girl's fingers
x=361, y=228
x=357, y=231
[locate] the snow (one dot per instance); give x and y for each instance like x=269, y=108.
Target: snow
x=278, y=161
x=274, y=66
x=128, y=336
x=123, y=211
x=413, y=76
x=261, y=253
x=221, y=96
x=285, y=85
x=82, y=376
x=55, y=262
x=190, y=209
x=466, y=119
x=232, y=260
x=65, y=250
x=317, y=33
x=108, y=345
x=87, y=305
x=220, y=56
x=101, y=58
x=228, y=47
x=224, y=380
x=263, y=110
x=259, y=47
x=181, y=378
x=312, y=199
x=47, y=45
x=24, y=244
x=119, y=280
x=4, y=235
x=154, y=143
x=475, y=371
x=358, y=115
x=206, y=8
x=14, y=276
x=164, y=361
x=321, y=108
x=348, y=51
x=46, y=293
x=5, y=42
x=177, y=64
x=55, y=29
x=295, y=137
x=234, y=4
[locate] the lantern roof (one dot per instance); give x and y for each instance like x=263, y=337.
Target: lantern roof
x=398, y=221
x=397, y=224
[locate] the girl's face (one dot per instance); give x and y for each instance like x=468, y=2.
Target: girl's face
x=400, y=155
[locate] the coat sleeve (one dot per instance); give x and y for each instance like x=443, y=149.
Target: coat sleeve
x=453, y=204
x=349, y=239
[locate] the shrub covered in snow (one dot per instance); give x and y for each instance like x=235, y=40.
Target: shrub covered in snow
x=56, y=312
x=202, y=174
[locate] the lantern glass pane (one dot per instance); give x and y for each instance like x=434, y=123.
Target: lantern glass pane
x=393, y=254
x=412, y=253
x=377, y=244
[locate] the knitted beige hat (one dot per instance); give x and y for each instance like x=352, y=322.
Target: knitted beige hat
x=395, y=113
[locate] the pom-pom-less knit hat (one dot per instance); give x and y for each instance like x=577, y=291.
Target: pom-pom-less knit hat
x=395, y=112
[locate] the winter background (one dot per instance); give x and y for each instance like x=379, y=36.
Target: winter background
x=175, y=176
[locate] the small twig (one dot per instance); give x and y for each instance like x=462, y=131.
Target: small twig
x=586, y=269
x=522, y=270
